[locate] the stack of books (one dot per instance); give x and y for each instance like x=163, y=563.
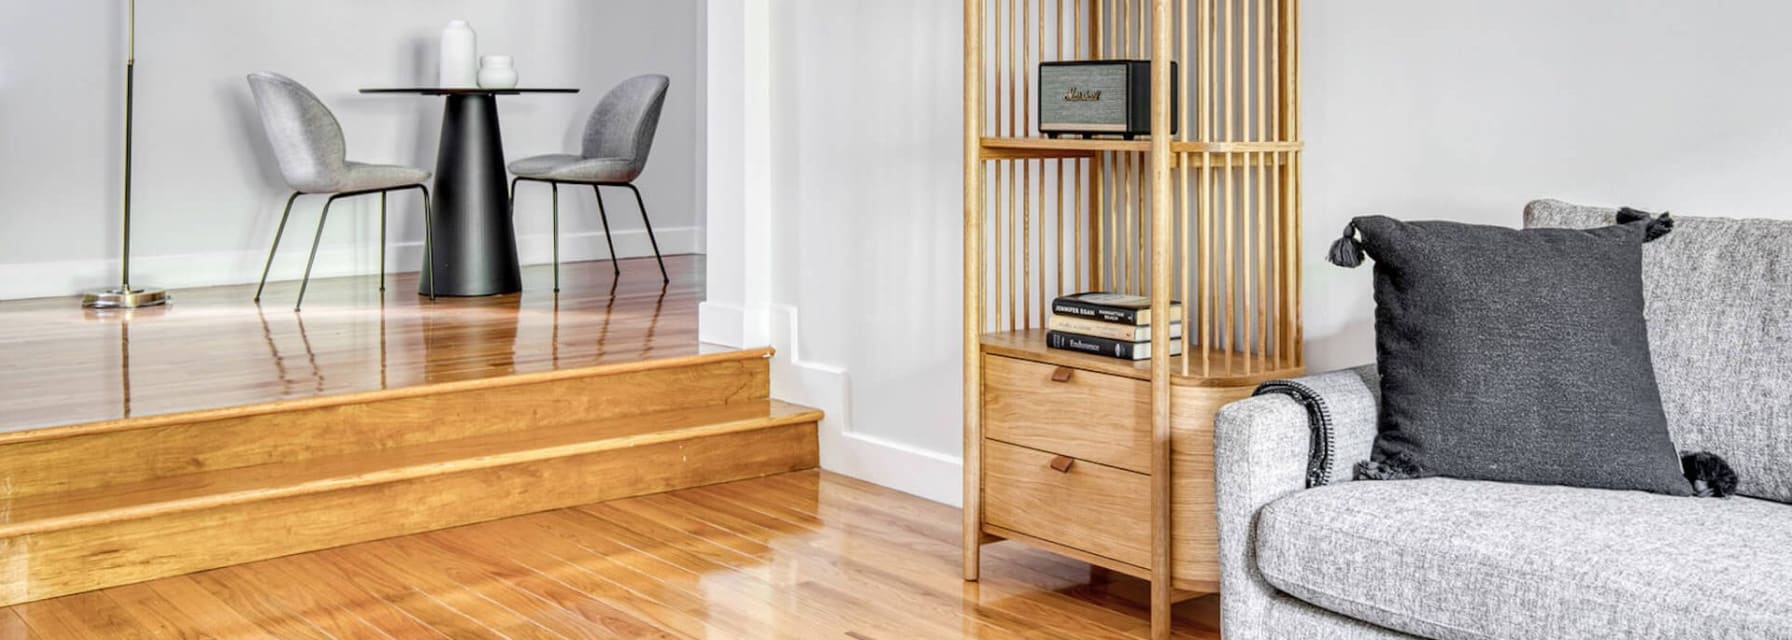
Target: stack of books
x=1115, y=325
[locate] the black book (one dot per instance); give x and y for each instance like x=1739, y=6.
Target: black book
x=1110, y=307
x=1104, y=347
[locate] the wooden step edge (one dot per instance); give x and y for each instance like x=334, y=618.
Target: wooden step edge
x=299, y=404
x=781, y=414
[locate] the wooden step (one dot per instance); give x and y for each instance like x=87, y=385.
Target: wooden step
x=120, y=452
x=162, y=496
x=74, y=535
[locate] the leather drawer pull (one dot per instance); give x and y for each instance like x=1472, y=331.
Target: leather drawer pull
x=1061, y=464
x=1062, y=374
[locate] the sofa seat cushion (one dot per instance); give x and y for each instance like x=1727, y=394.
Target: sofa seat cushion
x=1445, y=558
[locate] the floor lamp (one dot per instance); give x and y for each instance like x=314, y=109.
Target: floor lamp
x=124, y=296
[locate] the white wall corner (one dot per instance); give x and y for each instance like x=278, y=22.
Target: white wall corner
x=929, y=474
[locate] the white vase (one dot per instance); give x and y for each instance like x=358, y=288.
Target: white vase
x=496, y=72
x=460, y=56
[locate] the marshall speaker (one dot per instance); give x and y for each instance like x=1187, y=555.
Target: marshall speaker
x=1099, y=97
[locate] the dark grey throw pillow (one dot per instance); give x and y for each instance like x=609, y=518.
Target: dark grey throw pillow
x=1515, y=355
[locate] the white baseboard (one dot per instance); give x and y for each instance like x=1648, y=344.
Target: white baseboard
x=929, y=474
x=721, y=323
x=69, y=277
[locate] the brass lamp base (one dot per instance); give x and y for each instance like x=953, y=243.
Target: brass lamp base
x=123, y=298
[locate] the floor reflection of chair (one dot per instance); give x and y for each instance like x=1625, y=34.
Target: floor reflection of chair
x=285, y=377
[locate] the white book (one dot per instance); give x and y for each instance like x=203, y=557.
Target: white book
x=1110, y=330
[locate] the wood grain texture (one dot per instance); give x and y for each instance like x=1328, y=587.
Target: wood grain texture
x=800, y=555
x=214, y=347
x=1099, y=509
x=1194, y=529
x=1240, y=370
x=1092, y=416
x=95, y=459
x=173, y=542
x=233, y=486
x=1061, y=429
x=972, y=327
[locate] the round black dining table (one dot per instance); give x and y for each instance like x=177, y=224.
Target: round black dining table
x=474, y=242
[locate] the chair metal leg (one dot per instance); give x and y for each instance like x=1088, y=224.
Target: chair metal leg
x=555, y=187
x=664, y=279
x=429, y=256
x=513, y=182
x=605, y=217
x=382, y=242
x=277, y=232
x=303, y=284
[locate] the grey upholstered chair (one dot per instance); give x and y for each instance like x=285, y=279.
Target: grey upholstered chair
x=308, y=144
x=618, y=135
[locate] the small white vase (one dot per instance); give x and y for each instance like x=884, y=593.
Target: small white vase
x=497, y=72
x=460, y=56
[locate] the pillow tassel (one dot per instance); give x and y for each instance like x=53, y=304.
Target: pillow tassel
x=1347, y=252
x=1658, y=225
x=1711, y=476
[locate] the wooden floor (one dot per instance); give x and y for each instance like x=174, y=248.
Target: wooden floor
x=801, y=555
x=214, y=347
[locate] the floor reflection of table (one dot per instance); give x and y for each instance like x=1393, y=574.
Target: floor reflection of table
x=474, y=241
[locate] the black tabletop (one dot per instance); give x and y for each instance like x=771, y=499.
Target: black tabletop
x=466, y=91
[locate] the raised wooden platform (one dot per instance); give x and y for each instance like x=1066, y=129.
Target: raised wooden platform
x=133, y=497
x=214, y=348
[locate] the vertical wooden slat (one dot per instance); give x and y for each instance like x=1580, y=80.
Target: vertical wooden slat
x=1184, y=269
x=1264, y=260
x=1012, y=70
x=1184, y=105
x=1058, y=230
x=1281, y=219
x=1039, y=50
x=1204, y=121
x=1013, y=252
x=1098, y=185
x=1025, y=281
x=1228, y=256
x=1295, y=173
x=1144, y=196
x=1121, y=242
x=1123, y=25
x=973, y=287
x=1161, y=552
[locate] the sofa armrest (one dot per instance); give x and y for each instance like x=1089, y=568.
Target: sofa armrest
x=1292, y=435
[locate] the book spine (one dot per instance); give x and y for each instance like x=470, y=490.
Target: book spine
x=1110, y=330
x=1086, y=310
x=1098, y=346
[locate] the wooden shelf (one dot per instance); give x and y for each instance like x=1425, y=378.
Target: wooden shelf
x=1040, y=147
x=1223, y=369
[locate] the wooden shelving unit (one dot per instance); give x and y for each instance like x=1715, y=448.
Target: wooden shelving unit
x=1103, y=460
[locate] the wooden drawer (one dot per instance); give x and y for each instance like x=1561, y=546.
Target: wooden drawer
x=1087, y=506
x=1082, y=414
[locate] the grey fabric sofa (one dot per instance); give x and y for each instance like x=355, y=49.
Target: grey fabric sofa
x=1447, y=559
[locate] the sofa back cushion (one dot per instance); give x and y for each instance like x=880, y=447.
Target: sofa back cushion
x=1718, y=301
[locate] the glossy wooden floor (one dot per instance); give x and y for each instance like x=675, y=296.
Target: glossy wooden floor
x=214, y=347
x=802, y=555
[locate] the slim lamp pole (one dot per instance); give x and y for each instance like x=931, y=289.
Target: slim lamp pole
x=123, y=296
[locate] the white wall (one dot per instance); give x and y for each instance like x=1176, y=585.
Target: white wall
x=1466, y=110
x=862, y=164
x=1415, y=108
x=207, y=194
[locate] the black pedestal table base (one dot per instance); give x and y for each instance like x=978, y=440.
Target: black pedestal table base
x=475, y=242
